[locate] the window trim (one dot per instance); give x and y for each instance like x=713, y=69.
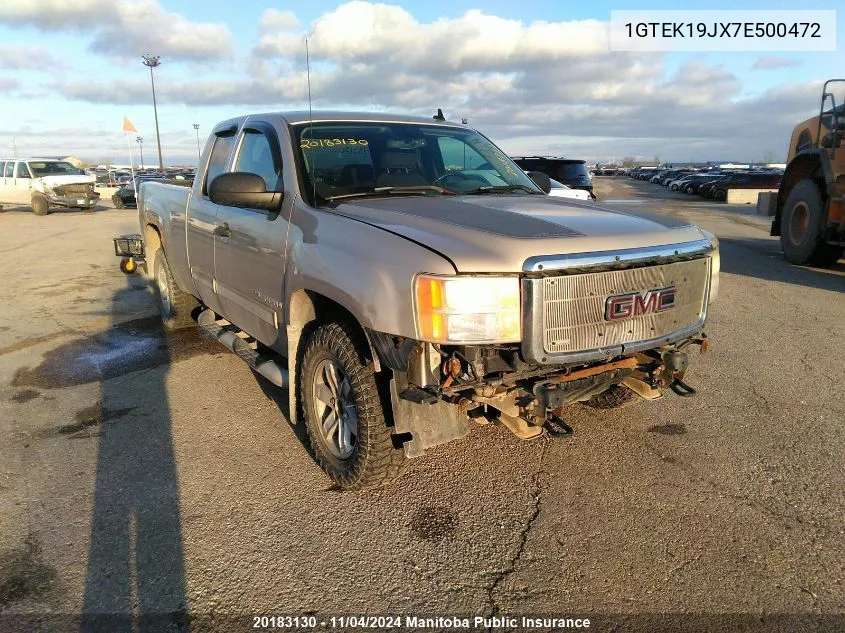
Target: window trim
x=227, y=131
x=269, y=132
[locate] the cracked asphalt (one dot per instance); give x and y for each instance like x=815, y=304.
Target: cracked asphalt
x=160, y=478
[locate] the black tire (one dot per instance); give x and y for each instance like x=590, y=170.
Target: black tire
x=372, y=460
x=720, y=195
x=616, y=397
x=175, y=305
x=40, y=206
x=118, y=202
x=802, y=234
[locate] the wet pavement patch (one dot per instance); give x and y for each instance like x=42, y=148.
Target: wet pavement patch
x=433, y=524
x=85, y=419
x=668, y=429
x=25, y=396
x=123, y=349
x=22, y=575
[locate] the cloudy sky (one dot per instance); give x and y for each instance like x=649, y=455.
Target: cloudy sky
x=538, y=77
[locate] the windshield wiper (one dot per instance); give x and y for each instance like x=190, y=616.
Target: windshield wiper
x=502, y=189
x=386, y=191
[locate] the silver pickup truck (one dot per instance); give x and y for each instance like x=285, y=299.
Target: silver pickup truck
x=404, y=279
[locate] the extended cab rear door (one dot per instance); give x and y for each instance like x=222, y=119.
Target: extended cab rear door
x=249, y=245
x=202, y=218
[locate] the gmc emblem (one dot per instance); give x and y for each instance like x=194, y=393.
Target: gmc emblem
x=638, y=304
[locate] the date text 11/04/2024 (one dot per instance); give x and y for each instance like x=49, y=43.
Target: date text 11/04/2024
x=418, y=622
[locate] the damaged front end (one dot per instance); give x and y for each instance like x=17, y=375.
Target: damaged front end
x=81, y=194
x=566, y=330
x=442, y=388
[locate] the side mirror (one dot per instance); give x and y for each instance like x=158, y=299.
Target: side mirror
x=541, y=180
x=244, y=190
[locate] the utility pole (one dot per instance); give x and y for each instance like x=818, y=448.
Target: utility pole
x=140, y=140
x=153, y=62
x=197, y=130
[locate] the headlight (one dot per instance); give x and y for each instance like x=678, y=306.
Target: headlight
x=467, y=309
x=715, y=265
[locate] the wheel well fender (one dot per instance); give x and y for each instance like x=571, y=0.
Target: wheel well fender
x=808, y=165
x=307, y=309
x=152, y=244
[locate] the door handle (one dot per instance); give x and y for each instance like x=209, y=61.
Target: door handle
x=222, y=230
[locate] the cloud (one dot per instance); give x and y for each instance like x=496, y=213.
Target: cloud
x=770, y=62
x=17, y=57
x=124, y=27
x=9, y=84
x=273, y=19
x=536, y=87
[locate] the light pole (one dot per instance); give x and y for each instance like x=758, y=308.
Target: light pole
x=152, y=62
x=140, y=140
x=197, y=130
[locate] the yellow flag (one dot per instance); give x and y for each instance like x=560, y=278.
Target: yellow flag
x=127, y=125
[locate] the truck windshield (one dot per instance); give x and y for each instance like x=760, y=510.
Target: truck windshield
x=53, y=168
x=341, y=159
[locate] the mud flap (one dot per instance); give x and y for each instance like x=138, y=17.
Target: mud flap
x=426, y=425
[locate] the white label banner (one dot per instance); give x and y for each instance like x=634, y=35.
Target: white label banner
x=710, y=30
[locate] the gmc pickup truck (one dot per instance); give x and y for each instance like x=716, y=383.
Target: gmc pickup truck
x=45, y=183
x=404, y=279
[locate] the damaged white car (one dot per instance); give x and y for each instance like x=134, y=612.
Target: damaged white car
x=44, y=183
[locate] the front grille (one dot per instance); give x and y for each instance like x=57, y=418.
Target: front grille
x=574, y=306
x=73, y=190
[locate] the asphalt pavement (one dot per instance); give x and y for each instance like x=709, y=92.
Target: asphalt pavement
x=154, y=483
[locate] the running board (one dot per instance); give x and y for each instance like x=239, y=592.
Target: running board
x=245, y=347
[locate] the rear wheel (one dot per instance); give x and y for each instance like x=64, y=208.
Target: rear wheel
x=720, y=195
x=344, y=414
x=40, y=206
x=802, y=230
x=175, y=305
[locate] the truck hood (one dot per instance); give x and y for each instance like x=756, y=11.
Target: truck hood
x=497, y=233
x=70, y=179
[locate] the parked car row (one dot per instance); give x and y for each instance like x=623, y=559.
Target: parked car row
x=125, y=196
x=710, y=183
x=120, y=177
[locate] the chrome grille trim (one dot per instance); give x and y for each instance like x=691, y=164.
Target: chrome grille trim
x=549, y=312
x=630, y=256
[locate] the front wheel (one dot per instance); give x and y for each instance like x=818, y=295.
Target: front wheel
x=117, y=201
x=40, y=206
x=344, y=414
x=802, y=228
x=720, y=195
x=174, y=304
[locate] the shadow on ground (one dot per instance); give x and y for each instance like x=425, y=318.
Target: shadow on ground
x=741, y=256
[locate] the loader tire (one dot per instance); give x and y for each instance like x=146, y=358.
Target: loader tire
x=802, y=228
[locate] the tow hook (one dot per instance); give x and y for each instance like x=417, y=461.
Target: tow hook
x=555, y=427
x=682, y=389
